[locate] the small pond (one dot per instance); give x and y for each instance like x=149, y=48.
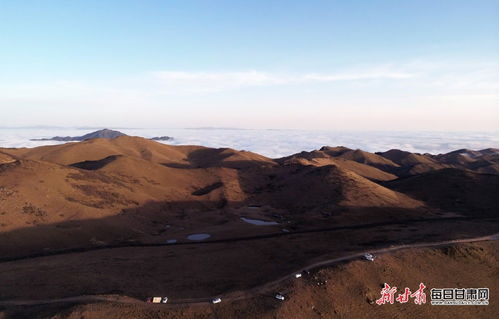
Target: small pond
x=258, y=222
x=198, y=236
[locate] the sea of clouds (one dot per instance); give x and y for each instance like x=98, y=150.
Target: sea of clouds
x=274, y=142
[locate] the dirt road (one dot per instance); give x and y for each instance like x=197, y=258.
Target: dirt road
x=238, y=295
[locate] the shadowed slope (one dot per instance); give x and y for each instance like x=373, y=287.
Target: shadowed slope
x=95, y=165
x=453, y=190
x=304, y=188
x=406, y=158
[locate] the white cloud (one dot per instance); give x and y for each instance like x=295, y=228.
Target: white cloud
x=359, y=76
x=448, y=77
x=219, y=81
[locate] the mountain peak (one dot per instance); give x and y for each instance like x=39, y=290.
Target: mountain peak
x=104, y=133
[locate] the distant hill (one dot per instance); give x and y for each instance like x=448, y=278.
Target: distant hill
x=162, y=138
x=384, y=166
x=105, y=133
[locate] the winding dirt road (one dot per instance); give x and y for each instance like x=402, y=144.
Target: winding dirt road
x=239, y=295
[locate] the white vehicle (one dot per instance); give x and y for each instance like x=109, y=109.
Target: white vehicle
x=164, y=300
x=279, y=296
x=369, y=257
x=297, y=275
x=216, y=300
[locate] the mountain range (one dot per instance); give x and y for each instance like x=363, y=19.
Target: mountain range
x=132, y=183
x=127, y=218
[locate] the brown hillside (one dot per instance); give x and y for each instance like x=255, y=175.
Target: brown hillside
x=308, y=187
x=404, y=158
x=347, y=291
x=323, y=158
x=453, y=190
x=97, y=149
x=369, y=159
x=93, y=229
x=98, y=190
x=136, y=147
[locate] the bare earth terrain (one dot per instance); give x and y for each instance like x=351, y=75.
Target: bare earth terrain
x=101, y=225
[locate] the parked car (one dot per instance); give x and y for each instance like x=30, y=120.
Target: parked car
x=369, y=257
x=279, y=296
x=156, y=299
x=298, y=275
x=216, y=300
x=165, y=300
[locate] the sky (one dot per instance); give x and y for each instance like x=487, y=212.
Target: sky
x=339, y=65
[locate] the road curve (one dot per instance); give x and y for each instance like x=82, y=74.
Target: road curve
x=238, y=295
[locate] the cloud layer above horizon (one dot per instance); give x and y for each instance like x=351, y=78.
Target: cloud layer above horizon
x=421, y=95
x=182, y=81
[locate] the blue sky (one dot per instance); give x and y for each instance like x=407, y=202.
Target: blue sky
x=381, y=65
